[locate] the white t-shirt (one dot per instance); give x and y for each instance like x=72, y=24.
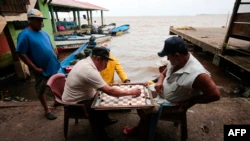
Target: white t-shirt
x=178, y=85
x=95, y=25
x=82, y=82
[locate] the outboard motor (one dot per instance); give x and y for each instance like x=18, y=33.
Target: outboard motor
x=92, y=42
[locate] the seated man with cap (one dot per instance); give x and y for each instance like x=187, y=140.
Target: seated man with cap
x=186, y=82
x=113, y=66
x=84, y=80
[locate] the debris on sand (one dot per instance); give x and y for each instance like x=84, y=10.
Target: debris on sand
x=185, y=28
x=205, y=129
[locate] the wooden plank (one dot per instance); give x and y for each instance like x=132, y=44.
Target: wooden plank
x=245, y=3
x=241, y=61
x=242, y=17
x=229, y=30
x=22, y=104
x=241, y=29
x=211, y=43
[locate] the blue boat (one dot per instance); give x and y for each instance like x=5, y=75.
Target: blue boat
x=66, y=62
x=120, y=30
x=75, y=37
x=60, y=38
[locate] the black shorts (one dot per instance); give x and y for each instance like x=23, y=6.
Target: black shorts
x=40, y=86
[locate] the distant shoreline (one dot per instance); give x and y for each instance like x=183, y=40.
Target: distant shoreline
x=155, y=16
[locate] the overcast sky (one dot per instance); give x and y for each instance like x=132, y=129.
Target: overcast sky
x=163, y=7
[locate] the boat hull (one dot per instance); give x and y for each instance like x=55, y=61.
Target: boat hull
x=66, y=62
x=63, y=46
x=120, y=30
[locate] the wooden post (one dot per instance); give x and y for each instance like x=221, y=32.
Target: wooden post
x=79, y=21
x=57, y=16
x=19, y=66
x=11, y=43
x=102, y=16
x=91, y=21
x=88, y=16
x=235, y=10
x=53, y=18
x=74, y=14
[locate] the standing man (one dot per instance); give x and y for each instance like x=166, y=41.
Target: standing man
x=35, y=49
x=112, y=67
x=95, y=26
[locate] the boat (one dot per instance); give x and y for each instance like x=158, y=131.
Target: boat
x=66, y=62
x=66, y=45
x=76, y=37
x=120, y=30
x=108, y=28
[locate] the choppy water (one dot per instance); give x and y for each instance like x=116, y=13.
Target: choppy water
x=137, y=50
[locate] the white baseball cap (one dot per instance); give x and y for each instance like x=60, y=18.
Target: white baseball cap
x=34, y=13
x=163, y=62
x=106, y=45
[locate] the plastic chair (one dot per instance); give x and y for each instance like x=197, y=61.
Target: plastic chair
x=71, y=110
x=174, y=115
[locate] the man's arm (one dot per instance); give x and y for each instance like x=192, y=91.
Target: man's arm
x=206, y=85
x=159, y=84
x=28, y=62
x=119, y=92
x=119, y=70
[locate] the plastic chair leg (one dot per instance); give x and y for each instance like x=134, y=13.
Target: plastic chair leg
x=184, y=134
x=66, y=123
x=76, y=120
x=153, y=126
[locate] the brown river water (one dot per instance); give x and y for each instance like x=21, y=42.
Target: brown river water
x=137, y=50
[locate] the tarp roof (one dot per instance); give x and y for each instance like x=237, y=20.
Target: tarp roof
x=77, y=4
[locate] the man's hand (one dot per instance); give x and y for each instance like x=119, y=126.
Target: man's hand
x=159, y=88
x=136, y=92
x=39, y=70
x=186, y=104
x=127, y=81
x=146, y=84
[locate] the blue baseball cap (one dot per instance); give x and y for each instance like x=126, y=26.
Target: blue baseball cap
x=173, y=45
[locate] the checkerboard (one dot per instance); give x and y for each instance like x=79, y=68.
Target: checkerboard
x=104, y=101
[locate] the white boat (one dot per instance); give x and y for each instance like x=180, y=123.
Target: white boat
x=65, y=45
x=108, y=28
x=86, y=37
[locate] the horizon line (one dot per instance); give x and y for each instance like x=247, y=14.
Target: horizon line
x=152, y=15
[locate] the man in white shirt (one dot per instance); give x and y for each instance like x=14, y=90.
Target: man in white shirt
x=84, y=80
x=181, y=84
x=95, y=26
